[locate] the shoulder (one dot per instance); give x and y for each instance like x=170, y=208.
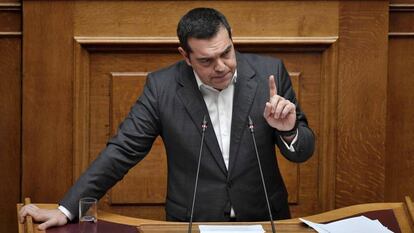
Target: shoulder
x=166, y=76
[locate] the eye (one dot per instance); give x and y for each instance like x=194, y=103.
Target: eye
x=226, y=53
x=205, y=61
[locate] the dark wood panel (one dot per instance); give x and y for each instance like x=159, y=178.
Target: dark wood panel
x=47, y=100
x=400, y=140
x=362, y=84
x=400, y=146
x=10, y=20
x=402, y=21
x=103, y=123
x=10, y=120
x=150, y=174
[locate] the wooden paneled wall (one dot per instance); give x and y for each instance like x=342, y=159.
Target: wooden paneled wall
x=362, y=95
x=10, y=108
x=352, y=61
x=400, y=106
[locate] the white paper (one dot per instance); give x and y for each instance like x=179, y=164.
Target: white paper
x=359, y=224
x=231, y=228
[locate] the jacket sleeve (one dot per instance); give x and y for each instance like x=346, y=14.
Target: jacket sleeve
x=305, y=144
x=130, y=145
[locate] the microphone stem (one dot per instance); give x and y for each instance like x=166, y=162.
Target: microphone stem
x=204, y=126
x=263, y=182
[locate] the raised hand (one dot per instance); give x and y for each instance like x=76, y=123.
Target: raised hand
x=279, y=112
x=49, y=218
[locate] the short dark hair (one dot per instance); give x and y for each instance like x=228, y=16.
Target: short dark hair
x=200, y=23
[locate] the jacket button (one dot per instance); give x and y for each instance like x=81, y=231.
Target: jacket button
x=229, y=184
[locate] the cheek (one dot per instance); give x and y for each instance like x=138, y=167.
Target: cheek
x=231, y=63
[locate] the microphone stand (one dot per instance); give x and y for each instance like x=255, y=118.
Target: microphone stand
x=203, y=129
x=251, y=128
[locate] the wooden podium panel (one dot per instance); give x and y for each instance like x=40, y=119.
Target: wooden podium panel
x=403, y=213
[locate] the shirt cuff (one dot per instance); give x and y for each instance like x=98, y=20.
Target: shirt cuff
x=66, y=212
x=290, y=147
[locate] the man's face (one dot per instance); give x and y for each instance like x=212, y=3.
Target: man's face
x=214, y=59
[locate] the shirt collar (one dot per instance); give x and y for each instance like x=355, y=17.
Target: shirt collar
x=200, y=83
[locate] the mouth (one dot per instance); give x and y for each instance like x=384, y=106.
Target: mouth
x=223, y=77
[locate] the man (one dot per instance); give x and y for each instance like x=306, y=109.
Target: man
x=227, y=87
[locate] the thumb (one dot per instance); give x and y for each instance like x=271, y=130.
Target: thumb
x=49, y=223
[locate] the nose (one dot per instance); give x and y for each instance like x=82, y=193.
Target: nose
x=220, y=66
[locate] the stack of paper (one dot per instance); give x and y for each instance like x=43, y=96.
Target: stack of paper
x=356, y=225
x=231, y=229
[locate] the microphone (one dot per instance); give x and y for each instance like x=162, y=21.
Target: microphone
x=251, y=128
x=203, y=129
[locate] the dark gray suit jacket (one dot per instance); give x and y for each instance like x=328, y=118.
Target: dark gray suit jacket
x=172, y=106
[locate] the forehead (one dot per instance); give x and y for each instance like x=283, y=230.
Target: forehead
x=212, y=46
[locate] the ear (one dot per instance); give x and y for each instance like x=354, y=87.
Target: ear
x=185, y=55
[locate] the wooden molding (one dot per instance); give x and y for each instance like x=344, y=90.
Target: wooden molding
x=328, y=132
x=238, y=40
x=81, y=93
x=401, y=7
x=10, y=6
x=401, y=34
x=10, y=34
x=171, y=43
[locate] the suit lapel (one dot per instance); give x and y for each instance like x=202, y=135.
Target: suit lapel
x=194, y=103
x=244, y=93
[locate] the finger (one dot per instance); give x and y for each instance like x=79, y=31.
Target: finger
x=47, y=224
x=272, y=86
x=287, y=110
x=22, y=214
x=38, y=214
x=274, y=102
x=267, y=110
x=281, y=105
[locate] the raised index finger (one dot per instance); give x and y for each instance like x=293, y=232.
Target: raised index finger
x=272, y=86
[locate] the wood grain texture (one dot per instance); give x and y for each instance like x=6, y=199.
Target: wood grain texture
x=10, y=121
x=10, y=117
x=248, y=18
x=47, y=99
x=362, y=83
x=150, y=175
x=328, y=137
x=10, y=17
x=400, y=134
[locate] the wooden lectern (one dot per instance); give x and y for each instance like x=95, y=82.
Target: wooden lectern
x=402, y=214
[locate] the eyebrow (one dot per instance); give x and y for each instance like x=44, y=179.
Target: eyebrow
x=228, y=48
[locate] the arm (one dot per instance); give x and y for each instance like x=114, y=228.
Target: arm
x=283, y=113
x=133, y=141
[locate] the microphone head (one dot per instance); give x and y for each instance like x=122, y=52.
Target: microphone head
x=204, y=124
x=250, y=124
